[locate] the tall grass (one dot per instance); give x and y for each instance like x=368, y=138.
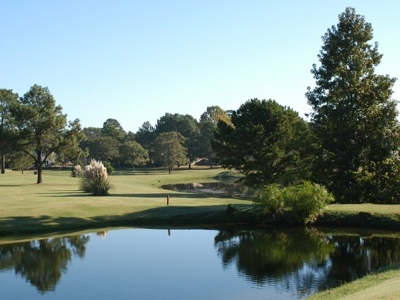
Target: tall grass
x=95, y=179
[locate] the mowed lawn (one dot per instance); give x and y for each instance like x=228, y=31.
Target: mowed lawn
x=57, y=203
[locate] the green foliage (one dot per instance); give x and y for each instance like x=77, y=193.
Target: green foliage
x=354, y=117
x=42, y=128
x=169, y=150
x=214, y=114
x=305, y=202
x=133, y=153
x=185, y=125
x=113, y=128
x=21, y=161
x=269, y=200
x=8, y=99
x=109, y=167
x=266, y=142
x=297, y=204
x=145, y=136
x=95, y=179
x=103, y=148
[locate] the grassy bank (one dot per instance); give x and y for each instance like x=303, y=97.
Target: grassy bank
x=383, y=285
x=362, y=215
x=136, y=199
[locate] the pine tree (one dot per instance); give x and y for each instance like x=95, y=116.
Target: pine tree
x=354, y=116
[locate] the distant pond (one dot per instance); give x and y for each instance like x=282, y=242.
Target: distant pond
x=191, y=264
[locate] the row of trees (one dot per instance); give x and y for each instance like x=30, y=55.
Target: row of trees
x=33, y=131
x=175, y=140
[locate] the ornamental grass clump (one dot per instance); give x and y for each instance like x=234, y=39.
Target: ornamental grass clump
x=77, y=171
x=95, y=179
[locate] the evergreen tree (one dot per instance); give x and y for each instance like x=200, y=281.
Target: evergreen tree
x=354, y=116
x=8, y=99
x=42, y=128
x=266, y=142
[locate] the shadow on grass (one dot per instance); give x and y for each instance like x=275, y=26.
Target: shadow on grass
x=168, y=216
x=68, y=194
x=14, y=185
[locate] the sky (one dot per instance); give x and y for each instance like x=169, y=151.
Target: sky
x=135, y=61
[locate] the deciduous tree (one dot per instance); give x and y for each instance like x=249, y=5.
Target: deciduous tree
x=187, y=126
x=169, y=150
x=133, y=153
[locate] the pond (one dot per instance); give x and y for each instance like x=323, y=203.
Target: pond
x=191, y=264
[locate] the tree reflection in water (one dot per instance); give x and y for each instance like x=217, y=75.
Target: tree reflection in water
x=42, y=262
x=304, y=260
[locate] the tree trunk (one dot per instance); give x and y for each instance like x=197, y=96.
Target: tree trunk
x=39, y=167
x=39, y=173
x=190, y=165
x=3, y=164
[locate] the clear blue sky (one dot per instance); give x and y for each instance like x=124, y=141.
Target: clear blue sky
x=133, y=61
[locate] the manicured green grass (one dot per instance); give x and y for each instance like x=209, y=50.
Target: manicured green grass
x=383, y=285
x=136, y=199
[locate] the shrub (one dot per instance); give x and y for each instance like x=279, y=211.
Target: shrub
x=95, y=179
x=305, y=202
x=269, y=200
x=109, y=167
x=299, y=204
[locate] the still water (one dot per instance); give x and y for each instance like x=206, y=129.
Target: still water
x=191, y=264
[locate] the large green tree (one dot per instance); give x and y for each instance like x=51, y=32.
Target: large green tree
x=145, y=136
x=169, y=150
x=8, y=99
x=266, y=142
x=354, y=116
x=103, y=148
x=42, y=128
x=187, y=126
x=133, y=153
x=112, y=128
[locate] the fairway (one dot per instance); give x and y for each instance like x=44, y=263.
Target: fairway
x=57, y=204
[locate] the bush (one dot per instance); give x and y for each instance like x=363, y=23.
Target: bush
x=269, y=200
x=305, y=202
x=95, y=180
x=109, y=167
x=300, y=204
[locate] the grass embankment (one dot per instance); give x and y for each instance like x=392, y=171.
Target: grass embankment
x=136, y=200
x=362, y=215
x=383, y=285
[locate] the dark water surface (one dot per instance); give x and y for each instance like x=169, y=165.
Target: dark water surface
x=191, y=264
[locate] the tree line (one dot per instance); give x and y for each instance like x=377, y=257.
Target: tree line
x=350, y=143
